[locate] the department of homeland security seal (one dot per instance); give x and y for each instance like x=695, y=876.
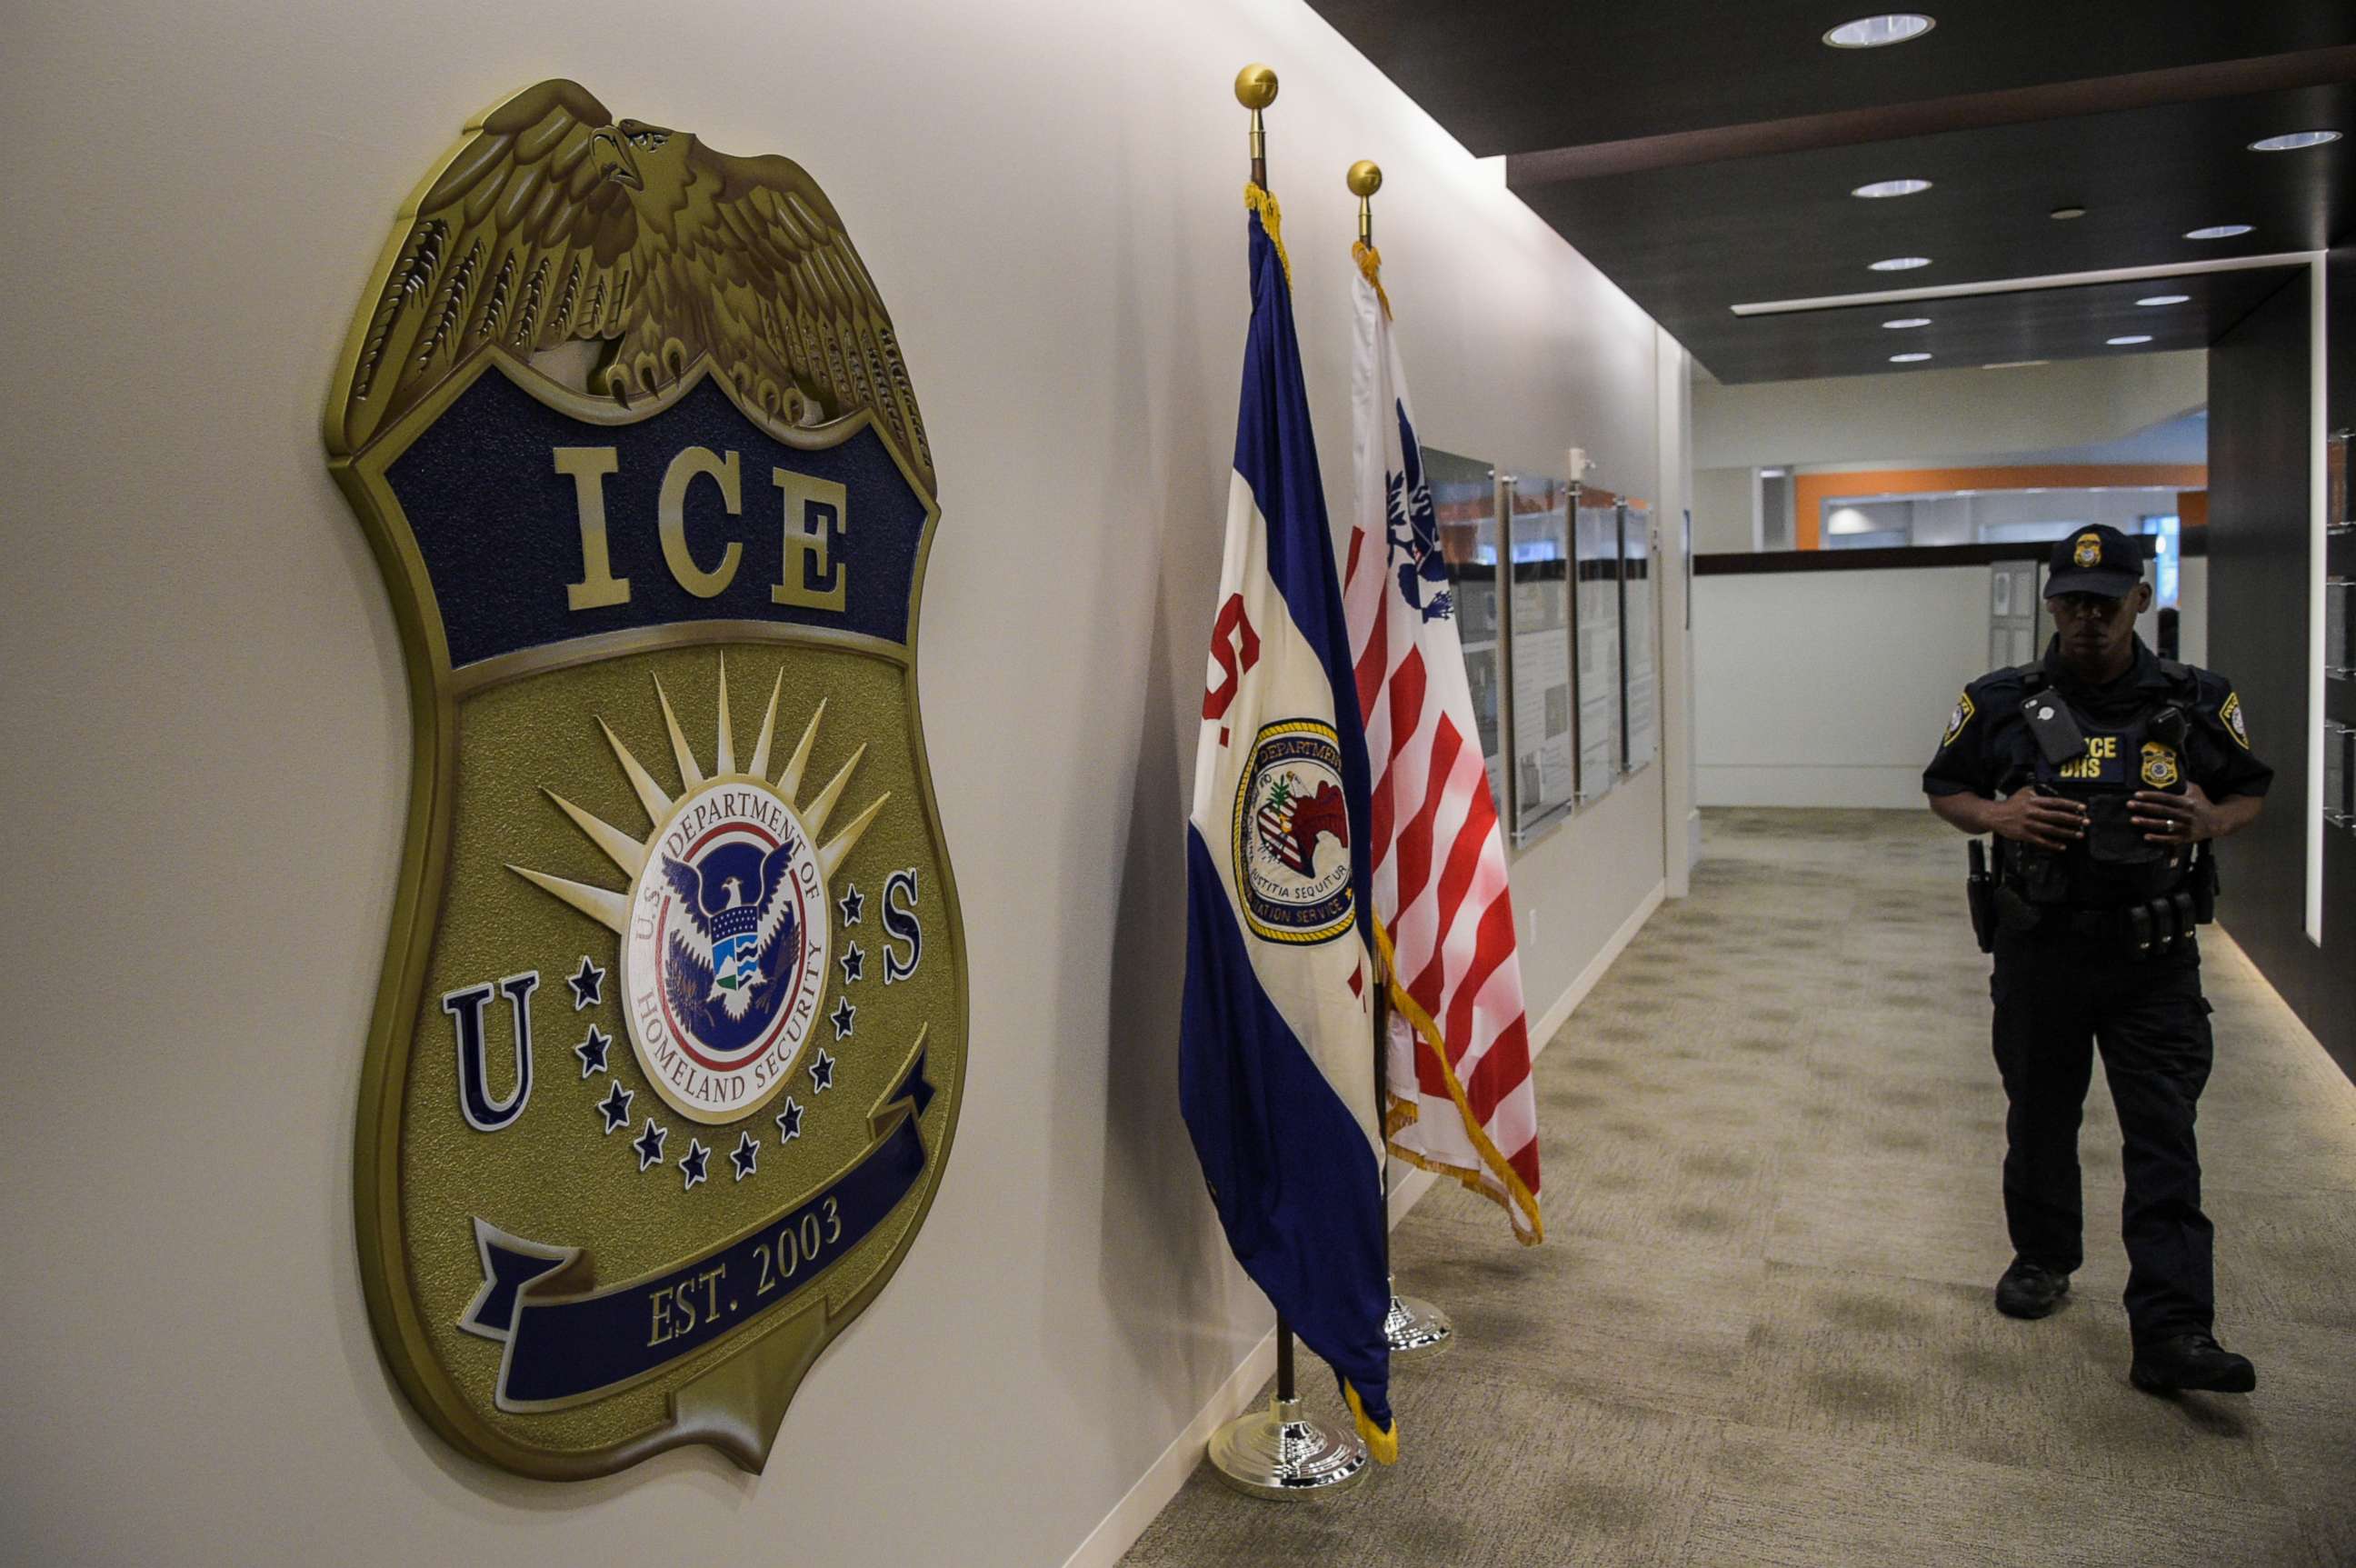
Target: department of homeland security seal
x=608, y=568
x=1291, y=839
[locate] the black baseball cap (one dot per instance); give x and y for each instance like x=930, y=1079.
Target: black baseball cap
x=2098, y=560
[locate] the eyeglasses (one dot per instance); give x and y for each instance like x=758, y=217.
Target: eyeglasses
x=2084, y=606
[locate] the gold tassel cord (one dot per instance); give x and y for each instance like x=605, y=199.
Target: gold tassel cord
x=1271, y=222
x=1381, y=1442
x=1370, y=267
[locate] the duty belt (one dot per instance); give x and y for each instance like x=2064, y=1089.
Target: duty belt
x=2148, y=928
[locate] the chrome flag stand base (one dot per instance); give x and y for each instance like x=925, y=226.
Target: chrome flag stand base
x=1416, y=1329
x=1280, y=1451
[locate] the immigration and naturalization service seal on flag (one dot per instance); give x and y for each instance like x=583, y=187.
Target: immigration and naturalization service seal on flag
x=672, y=1033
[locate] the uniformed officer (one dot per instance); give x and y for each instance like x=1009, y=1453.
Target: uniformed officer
x=2102, y=770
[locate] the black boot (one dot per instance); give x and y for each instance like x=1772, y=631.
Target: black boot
x=2191, y=1361
x=2030, y=1290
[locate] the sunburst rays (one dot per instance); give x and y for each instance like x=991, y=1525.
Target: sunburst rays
x=610, y=907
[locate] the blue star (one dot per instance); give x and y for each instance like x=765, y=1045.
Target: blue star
x=591, y=1051
x=790, y=1122
x=854, y=963
x=850, y=903
x=746, y=1156
x=821, y=1071
x=588, y=983
x=842, y=1017
x=692, y=1161
x=649, y=1143
x=615, y=1106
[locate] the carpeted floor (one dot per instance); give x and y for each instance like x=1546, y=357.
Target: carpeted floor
x=1760, y=1331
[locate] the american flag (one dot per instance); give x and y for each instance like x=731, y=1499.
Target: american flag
x=1459, y=1056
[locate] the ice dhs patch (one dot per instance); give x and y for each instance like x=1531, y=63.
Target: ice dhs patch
x=2159, y=768
x=1291, y=840
x=2088, y=552
x=630, y=432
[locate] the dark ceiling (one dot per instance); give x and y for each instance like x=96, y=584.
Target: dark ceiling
x=1702, y=156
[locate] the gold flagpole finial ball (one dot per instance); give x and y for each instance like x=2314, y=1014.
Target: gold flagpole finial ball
x=1256, y=86
x=1365, y=177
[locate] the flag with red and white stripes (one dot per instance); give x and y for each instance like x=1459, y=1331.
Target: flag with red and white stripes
x=1459, y=1052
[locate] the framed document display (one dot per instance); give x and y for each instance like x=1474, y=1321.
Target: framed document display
x=1545, y=739
x=1464, y=498
x=1639, y=707
x=1596, y=613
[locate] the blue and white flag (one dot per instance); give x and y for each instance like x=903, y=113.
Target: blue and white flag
x=1275, y=1062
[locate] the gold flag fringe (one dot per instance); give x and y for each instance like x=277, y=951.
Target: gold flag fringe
x=1272, y=220
x=1502, y=1173
x=1370, y=267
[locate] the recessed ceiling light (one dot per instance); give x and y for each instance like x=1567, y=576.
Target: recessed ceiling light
x=2220, y=231
x=1906, y=321
x=1877, y=32
x=1882, y=187
x=2066, y=213
x=1967, y=492
x=2034, y=490
x=2293, y=141
x=1771, y=473
x=1899, y=265
x=2164, y=299
x=2098, y=489
x=2131, y=337
x=1907, y=358
x=2015, y=364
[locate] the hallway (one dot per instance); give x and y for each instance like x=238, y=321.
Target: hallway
x=1761, y=1331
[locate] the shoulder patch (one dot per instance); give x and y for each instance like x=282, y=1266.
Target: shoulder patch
x=1962, y=716
x=2229, y=713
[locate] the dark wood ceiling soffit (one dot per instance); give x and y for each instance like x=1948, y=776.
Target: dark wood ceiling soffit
x=1966, y=112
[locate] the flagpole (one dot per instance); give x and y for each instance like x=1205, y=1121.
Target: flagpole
x=1413, y=1327
x=1281, y=1452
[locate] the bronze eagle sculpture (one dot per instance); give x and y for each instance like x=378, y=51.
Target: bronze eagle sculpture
x=554, y=221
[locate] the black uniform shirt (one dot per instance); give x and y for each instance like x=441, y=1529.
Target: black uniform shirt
x=1987, y=749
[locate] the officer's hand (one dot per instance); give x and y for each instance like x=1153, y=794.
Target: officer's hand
x=2048, y=822
x=2175, y=819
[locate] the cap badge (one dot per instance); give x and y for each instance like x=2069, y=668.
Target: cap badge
x=2089, y=551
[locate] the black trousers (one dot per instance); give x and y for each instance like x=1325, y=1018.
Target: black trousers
x=2058, y=999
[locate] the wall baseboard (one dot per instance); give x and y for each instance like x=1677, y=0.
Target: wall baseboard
x=1119, y=1530
x=1112, y=1539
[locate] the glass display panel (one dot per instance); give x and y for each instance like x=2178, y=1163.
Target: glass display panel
x=1465, y=499
x=1546, y=777
x=1596, y=545
x=1639, y=707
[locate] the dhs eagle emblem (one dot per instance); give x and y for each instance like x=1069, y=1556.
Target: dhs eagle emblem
x=630, y=432
x=2087, y=552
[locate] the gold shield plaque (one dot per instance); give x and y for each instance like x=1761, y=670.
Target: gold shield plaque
x=670, y=1039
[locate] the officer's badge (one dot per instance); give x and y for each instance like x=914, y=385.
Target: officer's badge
x=671, y=1034
x=2230, y=714
x=1958, y=719
x=2088, y=552
x=2159, y=769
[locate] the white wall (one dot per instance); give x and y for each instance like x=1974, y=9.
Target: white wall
x=1930, y=416
x=1726, y=509
x=1830, y=688
x=208, y=733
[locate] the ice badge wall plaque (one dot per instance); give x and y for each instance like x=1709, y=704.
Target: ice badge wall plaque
x=672, y=1028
